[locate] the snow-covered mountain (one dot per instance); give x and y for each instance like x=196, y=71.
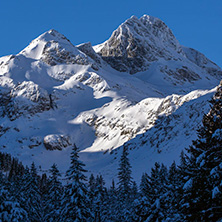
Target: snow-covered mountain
x=140, y=87
x=139, y=44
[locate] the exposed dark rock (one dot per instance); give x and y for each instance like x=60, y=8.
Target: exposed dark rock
x=35, y=141
x=182, y=74
x=25, y=98
x=54, y=53
x=89, y=51
x=137, y=43
x=56, y=142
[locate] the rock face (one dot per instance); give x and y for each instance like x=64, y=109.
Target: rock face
x=56, y=142
x=89, y=51
x=26, y=98
x=202, y=61
x=138, y=42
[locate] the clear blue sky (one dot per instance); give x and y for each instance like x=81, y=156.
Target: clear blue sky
x=195, y=23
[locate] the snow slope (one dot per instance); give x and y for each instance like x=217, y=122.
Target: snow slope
x=54, y=94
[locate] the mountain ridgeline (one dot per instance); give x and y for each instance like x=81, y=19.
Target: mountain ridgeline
x=140, y=88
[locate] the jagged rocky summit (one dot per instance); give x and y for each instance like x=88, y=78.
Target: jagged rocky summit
x=138, y=43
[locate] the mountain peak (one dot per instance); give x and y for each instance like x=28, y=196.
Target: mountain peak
x=138, y=42
x=145, y=19
x=150, y=19
x=54, y=48
x=132, y=18
x=52, y=34
x=36, y=48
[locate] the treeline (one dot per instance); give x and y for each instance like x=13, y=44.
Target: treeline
x=190, y=191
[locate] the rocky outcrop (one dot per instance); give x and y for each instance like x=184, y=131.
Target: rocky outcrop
x=26, y=98
x=54, y=53
x=54, y=48
x=56, y=142
x=182, y=74
x=89, y=51
x=202, y=61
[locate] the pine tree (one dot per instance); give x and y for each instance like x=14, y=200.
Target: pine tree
x=30, y=196
x=10, y=209
x=112, y=204
x=43, y=183
x=3, y=191
x=15, y=177
x=141, y=205
x=125, y=186
x=134, y=191
x=75, y=202
x=140, y=209
x=144, y=184
x=174, y=194
x=91, y=188
x=154, y=195
x=202, y=191
x=53, y=195
x=158, y=192
x=6, y=161
x=99, y=202
x=124, y=175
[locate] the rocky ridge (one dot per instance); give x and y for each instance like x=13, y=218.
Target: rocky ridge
x=139, y=43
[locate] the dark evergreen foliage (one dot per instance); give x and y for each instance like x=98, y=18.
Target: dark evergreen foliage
x=10, y=209
x=203, y=194
x=30, y=195
x=75, y=203
x=53, y=195
x=124, y=175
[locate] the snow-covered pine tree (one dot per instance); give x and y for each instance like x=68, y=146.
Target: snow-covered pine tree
x=141, y=205
x=173, y=195
x=156, y=193
x=91, y=186
x=100, y=203
x=203, y=188
x=30, y=197
x=134, y=191
x=111, y=204
x=91, y=191
x=124, y=175
x=3, y=190
x=10, y=209
x=134, y=201
x=75, y=203
x=124, y=185
x=53, y=195
x=5, y=161
x=15, y=177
